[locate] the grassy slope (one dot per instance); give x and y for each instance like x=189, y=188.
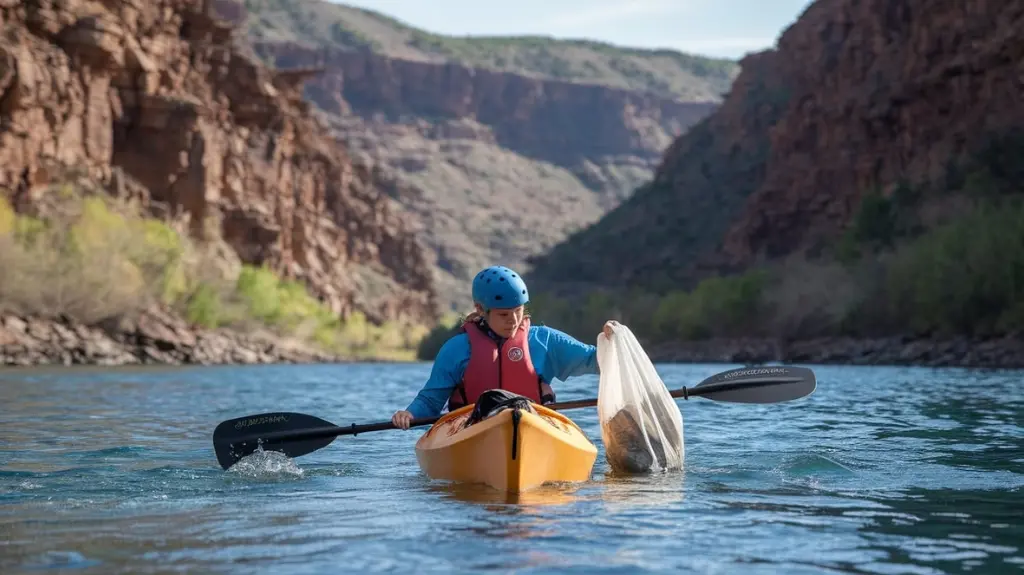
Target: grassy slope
x=664, y=72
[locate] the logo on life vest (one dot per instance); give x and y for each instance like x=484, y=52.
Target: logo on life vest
x=515, y=354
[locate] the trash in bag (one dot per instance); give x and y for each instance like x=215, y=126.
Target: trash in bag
x=494, y=401
x=641, y=425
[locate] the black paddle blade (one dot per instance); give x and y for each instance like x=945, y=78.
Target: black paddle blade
x=235, y=438
x=768, y=384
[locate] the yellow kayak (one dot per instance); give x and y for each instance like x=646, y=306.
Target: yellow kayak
x=548, y=447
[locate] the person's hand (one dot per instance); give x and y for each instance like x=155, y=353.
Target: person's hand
x=401, y=419
x=608, y=326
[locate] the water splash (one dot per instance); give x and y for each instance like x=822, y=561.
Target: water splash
x=267, y=465
x=809, y=464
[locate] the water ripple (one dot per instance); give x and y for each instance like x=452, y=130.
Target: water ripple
x=882, y=470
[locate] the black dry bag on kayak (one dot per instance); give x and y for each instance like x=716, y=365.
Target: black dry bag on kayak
x=494, y=401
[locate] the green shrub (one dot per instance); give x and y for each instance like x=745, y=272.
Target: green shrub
x=95, y=258
x=879, y=222
x=90, y=260
x=205, y=307
x=718, y=306
x=964, y=277
x=289, y=308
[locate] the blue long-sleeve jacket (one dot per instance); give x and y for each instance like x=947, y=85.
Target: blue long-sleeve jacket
x=555, y=355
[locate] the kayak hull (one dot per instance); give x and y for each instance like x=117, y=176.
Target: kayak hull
x=548, y=447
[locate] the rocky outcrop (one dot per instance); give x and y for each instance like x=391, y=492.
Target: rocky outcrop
x=878, y=91
x=857, y=96
x=155, y=337
x=553, y=121
x=156, y=90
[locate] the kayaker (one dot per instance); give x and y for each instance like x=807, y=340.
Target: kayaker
x=497, y=347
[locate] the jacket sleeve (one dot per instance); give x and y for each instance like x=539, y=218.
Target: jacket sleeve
x=449, y=365
x=565, y=356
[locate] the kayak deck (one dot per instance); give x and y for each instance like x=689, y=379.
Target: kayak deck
x=506, y=454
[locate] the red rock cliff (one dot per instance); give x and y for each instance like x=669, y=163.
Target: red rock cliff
x=858, y=94
x=879, y=90
x=155, y=89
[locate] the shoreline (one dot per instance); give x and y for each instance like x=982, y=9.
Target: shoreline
x=962, y=351
x=157, y=337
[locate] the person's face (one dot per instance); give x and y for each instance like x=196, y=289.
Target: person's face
x=505, y=322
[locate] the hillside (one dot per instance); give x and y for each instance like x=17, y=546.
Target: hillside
x=665, y=234
x=498, y=147
x=316, y=24
x=845, y=177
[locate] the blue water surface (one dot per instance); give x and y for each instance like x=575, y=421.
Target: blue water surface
x=881, y=470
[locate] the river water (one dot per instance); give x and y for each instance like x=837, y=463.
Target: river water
x=881, y=470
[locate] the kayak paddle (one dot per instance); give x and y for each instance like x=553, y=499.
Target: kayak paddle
x=773, y=384
x=296, y=434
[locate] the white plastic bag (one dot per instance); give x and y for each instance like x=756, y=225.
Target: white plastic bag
x=641, y=425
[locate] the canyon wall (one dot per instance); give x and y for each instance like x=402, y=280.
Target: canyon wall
x=497, y=147
x=155, y=98
x=859, y=96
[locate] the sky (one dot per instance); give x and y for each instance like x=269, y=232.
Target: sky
x=720, y=28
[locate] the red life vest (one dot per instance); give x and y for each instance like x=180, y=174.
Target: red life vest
x=509, y=368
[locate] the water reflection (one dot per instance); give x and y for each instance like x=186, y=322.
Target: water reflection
x=118, y=538
x=977, y=432
x=614, y=491
x=947, y=529
x=503, y=501
x=619, y=493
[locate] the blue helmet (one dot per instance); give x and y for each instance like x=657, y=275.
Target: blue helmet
x=499, y=287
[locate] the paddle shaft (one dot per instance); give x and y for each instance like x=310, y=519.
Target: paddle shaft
x=685, y=393
x=337, y=430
